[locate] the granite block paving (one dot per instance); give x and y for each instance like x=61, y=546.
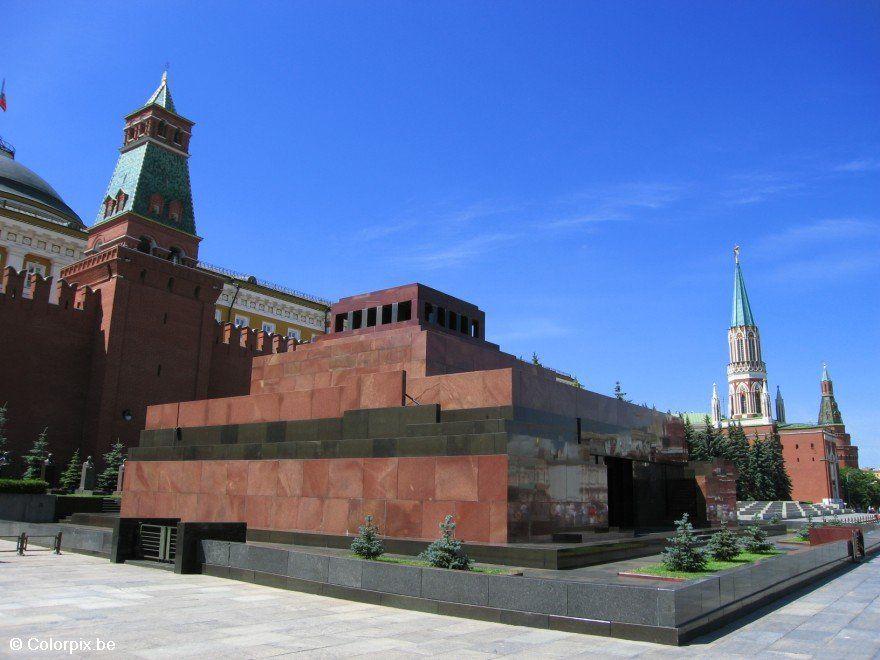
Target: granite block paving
x=151, y=613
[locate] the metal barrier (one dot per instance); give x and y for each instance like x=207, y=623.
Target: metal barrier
x=20, y=543
x=56, y=544
x=158, y=542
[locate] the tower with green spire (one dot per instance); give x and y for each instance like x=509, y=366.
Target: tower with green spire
x=748, y=399
x=829, y=413
x=149, y=193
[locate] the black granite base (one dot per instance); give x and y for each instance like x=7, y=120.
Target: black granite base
x=654, y=611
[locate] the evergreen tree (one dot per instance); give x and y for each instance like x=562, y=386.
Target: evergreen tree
x=367, y=543
x=760, y=469
x=683, y=553
x=535, y=359
x=778, y=474
x=69, y=480
x=689, y=437
x=619, y=393
x=724, y=545
x=446, y=552
x=738, y=450
x=36, y=457
x=112, y=460
x=4, y=455
x=756, y=541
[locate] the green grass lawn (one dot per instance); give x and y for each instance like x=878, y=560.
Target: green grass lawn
x=712, y=566
x=418, y=562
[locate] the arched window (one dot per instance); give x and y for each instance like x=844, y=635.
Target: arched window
x=177, y=136
x=757, y=400
x=160, y=130
x=740, y=348
x=145, y=245
x=753, y=353
x=121, y=199
x=175, y=254
x=742, y=403
x=156, y=204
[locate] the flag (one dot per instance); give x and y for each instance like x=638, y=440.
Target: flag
x=3, y=96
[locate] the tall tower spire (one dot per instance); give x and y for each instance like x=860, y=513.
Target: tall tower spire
x=151, y=179
x=716, y=407
x=829, y=413
x=780, y=407
x=748, y=399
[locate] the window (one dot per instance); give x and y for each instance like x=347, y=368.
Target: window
x=174, y=209
x=386, y=314
x=453, y=320
x=145, y=245
x=293, y=333
x=241, y=321
x=475, y=329
x=268, y=327
x=429, y=312
x=357, y=319
x=742, y=403
x=175, y=255
x=156, y=204
x=177, y=136
x=38, y=267
x=441, y=316
x=160, y=131
x=121, y=199
x=404, y=310
x=339, y=324
x=218, y=315
x=371, y=317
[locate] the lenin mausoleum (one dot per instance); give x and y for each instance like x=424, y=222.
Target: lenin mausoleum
x=402, y=410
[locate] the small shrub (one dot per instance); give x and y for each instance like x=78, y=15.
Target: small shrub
x=774, y=520
x=724, y=545
x=27, y=486
x=367, y=543
x=804, y=532
x=756, y=541
x=683, y=554
x=835, y=521
x=446, y=552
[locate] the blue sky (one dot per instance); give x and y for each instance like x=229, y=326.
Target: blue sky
x=579, y=170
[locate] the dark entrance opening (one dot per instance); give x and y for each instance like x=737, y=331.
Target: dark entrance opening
x=620, y=492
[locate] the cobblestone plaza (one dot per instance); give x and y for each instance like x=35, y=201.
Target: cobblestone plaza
x=150, y=613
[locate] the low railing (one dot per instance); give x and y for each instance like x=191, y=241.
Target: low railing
x=220, y=270
x=21, y=543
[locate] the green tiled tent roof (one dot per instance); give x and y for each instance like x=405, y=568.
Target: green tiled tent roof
x=150, y=169
x=742, y=310
x=162, y=95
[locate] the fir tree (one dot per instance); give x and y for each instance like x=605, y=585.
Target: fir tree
x=756, y=541
x=446, y=552
x=36, y=457
x=112, y=460
x=689, y=436
x=724, y=545
x=683, y=553
x=738, y=450
x=778, y=474
x=760, y=469
x=367, y=543
x=619, y=393
x=70, y=477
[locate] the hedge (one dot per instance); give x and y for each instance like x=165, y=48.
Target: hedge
x=23, y=486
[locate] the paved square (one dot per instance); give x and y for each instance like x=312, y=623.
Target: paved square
x=150, y=613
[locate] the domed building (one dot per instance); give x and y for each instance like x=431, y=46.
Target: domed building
x=39, y=232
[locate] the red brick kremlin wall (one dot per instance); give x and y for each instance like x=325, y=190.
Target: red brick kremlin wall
x=408, y=497
x=76, y=366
